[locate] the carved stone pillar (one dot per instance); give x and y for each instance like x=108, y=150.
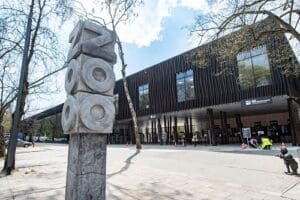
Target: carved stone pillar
x=88, y=112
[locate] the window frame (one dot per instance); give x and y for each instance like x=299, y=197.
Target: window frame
x=142, y=91
x=251, y=56
x=184, y=76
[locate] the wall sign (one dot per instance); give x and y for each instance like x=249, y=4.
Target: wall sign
x=246, y=132
x=156, y=116
x=256, y=101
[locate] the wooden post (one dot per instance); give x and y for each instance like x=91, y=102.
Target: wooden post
x=211, y=120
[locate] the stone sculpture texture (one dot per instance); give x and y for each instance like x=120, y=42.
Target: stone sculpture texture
x=88, y=112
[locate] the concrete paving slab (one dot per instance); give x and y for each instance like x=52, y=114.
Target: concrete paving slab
x=157, y=173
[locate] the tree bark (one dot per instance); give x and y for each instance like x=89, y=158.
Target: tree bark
x=2, y=142
x=127, y=94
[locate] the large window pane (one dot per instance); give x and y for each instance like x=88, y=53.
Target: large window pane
x=258, y=50
x=116, y=102
x=243, y=55
x=185, y=86
x=180, y=90
x=246, y=78
x=254, y=68
x=189, y=88
x=144, y=102
x=261, y=70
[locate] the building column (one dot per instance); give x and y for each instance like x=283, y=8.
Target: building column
x=186, y=129
x=295, y=133
x=166, y=130
x=124, y=135
x=191, y=128
x=159, y=131
x=152, y=131
x=155, y=132
x=147, y=134
x=170, y=129
x=211, y=120
x=224, y=127
x=175, y=130
x=239, y=124
x=131, y=130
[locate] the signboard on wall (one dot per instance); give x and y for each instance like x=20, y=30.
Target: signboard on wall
x=256, y=101
x=155, y=116
x=246, y=132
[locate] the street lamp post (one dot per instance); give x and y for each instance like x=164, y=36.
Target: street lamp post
x=10, y=157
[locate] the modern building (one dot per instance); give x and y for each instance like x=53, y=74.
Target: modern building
x=243, y=83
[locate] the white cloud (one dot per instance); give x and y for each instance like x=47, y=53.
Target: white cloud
x=147, y=27
x=203, y=6
x=195, y=4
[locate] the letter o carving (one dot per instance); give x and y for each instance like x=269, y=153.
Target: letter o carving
x=72, y=76
x=69, y=113
x=97, y=112
x=98, y=75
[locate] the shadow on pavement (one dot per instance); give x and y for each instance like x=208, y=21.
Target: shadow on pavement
x=150, y=191
x=127, y=161
x=40, y=193
x=2, y=174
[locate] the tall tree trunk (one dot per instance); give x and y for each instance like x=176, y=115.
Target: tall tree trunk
x=127, y=94
x=2, y=142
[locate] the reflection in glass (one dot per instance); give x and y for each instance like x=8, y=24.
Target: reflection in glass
x=116, y=102
x=144, y=102
x=254, y=68
x=185, y=86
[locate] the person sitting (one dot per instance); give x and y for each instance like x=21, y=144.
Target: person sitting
x=266, y=143
x=253, y=143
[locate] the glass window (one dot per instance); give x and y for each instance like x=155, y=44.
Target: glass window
x=116, y=102
x=185, y=86
x=144, y=102
x=254, y=68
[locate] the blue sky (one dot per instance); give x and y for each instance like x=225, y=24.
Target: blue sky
x=174, y=39
x=156, y=34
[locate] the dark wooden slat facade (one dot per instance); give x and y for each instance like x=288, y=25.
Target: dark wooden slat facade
x=209, y=88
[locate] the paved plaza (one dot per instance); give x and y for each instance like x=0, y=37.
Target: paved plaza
x=158, y=172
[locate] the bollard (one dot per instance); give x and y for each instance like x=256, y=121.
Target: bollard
x=88, y=112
